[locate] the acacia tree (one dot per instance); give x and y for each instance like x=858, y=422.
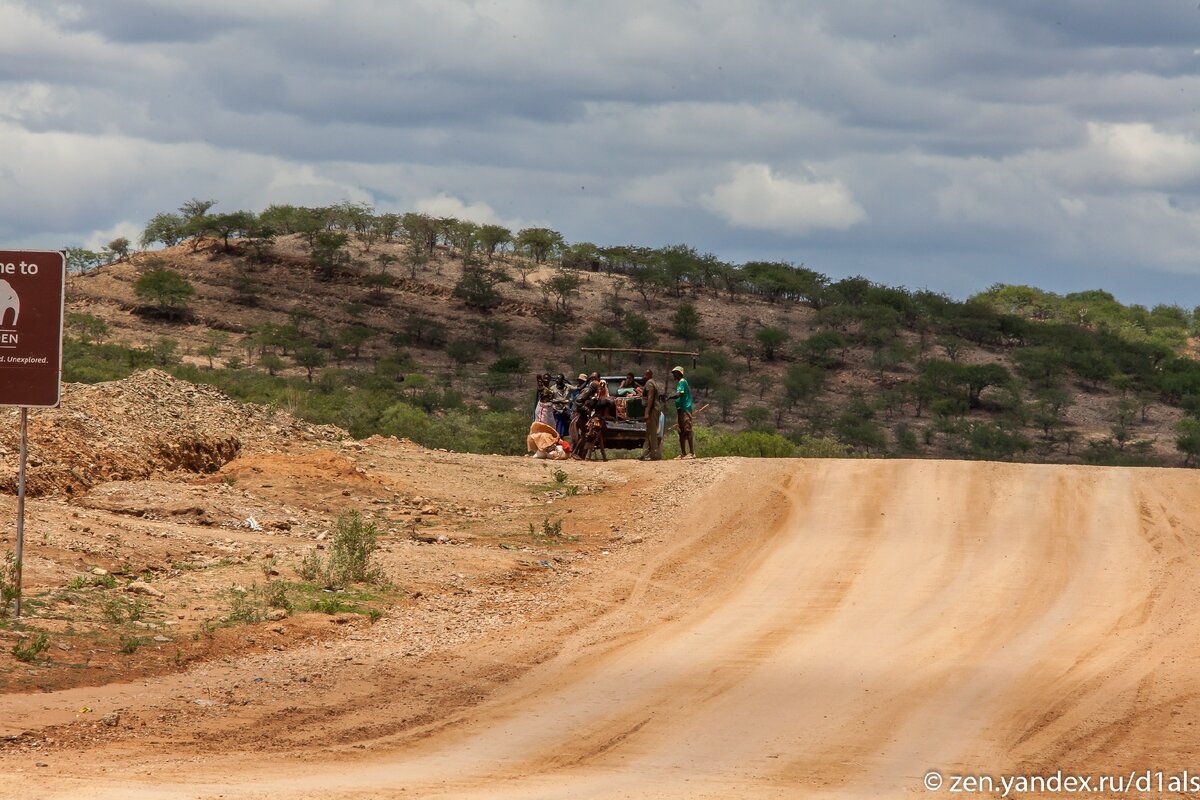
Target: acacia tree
x=1188, y=441
x=686, y=322
x=166, y=290
x=679, y=265
x=258, y=238
x=271, y=363
x=195, y=222
x=582, y=255
x=165, y=228
x=349, y=216
x=310, y=358
x=355, y=336
x=421, y=230
x=554, y=321
x=978, y=377
x=196, y=208
x=647, y=279
x=771, y=338
x=477, y=287
x=80, y=259
x=539, y=243
x=164, y=351
x=725, y=396
x=463, y=352
x=377, y=282
x=746, y=350
x=600, y=336
x=463, y=235
x=638, y=332
x=369, y=235
x=283, y=218
x=118, y=249
x=329, y=254
x=801, y=383
x=492, y=236
x=525, y=267
x=494, y=332
x=223, y=226
x=563, y=286
x=216, y=341
x=309, y=222
x=388, y=225
x=88, y=328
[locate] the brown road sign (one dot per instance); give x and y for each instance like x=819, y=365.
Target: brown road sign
x=31, y=323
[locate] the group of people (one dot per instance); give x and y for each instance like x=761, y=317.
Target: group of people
x=578, y=412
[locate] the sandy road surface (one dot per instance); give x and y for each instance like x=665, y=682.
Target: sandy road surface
x=830, y=629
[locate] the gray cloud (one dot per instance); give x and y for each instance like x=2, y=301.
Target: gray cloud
x=139, y=22
x=916, y=141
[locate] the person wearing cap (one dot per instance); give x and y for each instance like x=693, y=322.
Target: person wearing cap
x=683, y=410
x=573, y=393
x=573, y=407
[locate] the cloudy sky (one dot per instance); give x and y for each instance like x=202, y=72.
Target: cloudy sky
x=948, y=144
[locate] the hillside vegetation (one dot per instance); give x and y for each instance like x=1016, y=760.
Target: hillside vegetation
x=430, y=328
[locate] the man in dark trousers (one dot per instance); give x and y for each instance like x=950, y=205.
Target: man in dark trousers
x=652, y=396
x=683, y=408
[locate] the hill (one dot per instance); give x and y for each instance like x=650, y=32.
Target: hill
x=324, y=320
x=235, y=599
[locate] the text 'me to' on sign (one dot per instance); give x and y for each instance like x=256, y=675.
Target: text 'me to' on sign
x=31, y=327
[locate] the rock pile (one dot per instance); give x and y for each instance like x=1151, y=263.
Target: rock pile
x=148, y=424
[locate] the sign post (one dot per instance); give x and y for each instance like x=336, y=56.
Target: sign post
x=31, y=332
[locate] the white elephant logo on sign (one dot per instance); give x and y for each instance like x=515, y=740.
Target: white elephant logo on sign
x=9, y=302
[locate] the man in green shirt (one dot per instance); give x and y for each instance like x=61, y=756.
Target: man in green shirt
x=683, y=409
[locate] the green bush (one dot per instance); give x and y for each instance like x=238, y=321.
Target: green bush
x=771, y=338
x=331, y=605
x=988, y=441
x=750, y=444
x=120, y=609
x=354, y=542
x=906, y=441
x=820, y=447
x=9, y=579
x=130, y=644
x=86, y=362
x=509, y=365
x=465, y=431
x=244, y=606
x=759, y=444
x=29, y=649
x=600, y=336
x=310, y=566
x=1188, y=441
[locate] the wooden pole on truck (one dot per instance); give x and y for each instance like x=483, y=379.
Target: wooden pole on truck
x=639, y=351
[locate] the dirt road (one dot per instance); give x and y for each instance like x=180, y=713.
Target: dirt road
x=811, y=629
